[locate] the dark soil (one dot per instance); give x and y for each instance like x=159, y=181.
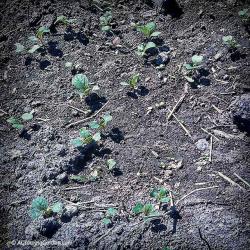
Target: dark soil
x=33, y=161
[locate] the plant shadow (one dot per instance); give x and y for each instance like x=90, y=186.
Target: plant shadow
x=53, y=50
x=70, y=35
x=116, y=135
x=95, y=102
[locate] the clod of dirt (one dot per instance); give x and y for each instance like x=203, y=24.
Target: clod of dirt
x=45, y=227
x=202, y=144
x=69, y=212
x=241, y=112
x=62, y=178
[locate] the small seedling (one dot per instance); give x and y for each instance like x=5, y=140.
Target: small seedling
x=105, y=21
x=17, y=122
x=143, y=48
x=102, y=123
x=230, y=42
x=132, y=82
x=110, y=214
x=160, y=194
x=82, y=85
x=111, y=164
x=147, y=210
x=196, y=63
x=244, y=15
x=86, y=137
x=41, y=32
x=148, y=30
x=40, y=207
x=64, y=20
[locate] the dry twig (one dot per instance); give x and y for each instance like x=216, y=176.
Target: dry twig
x=229, y=180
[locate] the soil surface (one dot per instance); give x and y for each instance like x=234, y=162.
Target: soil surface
x=150, y=150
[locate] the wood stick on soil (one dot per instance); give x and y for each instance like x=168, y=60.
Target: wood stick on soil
x=210, y=134
x=211, y=149
x=229, y=180
x=104, y=235
x=80, y=110
x=88, y=118
x=244, y=181
x=178, y=104
x=196, y=190
x=181, y=124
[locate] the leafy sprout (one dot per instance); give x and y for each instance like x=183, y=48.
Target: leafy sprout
x=82, y=84
x=143, y=48
x=40, y=207
x=147, y=210
x=230, y=42
x=64, y=20
x=41, y=32
x=17, y=122
x=148, y=30
x=160, y=194
x=244, y=15
x=132, y=82
x=110, y=214
x=105, y=21
x=111, y=164
x=102, y=123
x=86, y=137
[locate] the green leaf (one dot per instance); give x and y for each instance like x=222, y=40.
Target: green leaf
x=57, y=207
x=107, y=118
x=27, y=116
x=79, y=178
x=97, y=137
x=80, y=81
x=189, y=79
x=111, y=164
x=94, y=125
x=165, y=200
x=40, y=203
x=154, y=193
x=33, y=39
x=243, y=13
x=84, y=133
x=18, y=126
x=19, y=47
x=61, y=19
x=106, y=221
x=35, y=213
x=156, y=33
x=41, y=31
x=166, y=248
x=77, y=142
x=197, y=60
x=188, y=66
x=227, y=39
x=12, y=120
x=106, y=28
x=151, y=26
x=148, y=209
x=34, y=48
x=150, y=45
x=111, y=212
x=138, y=208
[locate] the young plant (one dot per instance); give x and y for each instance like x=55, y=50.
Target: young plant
x=110, y=214
x=160, y=194
x=146, y=210
x=230, y=42
x=195, y=64
x=41, y=32
x=105, y=21
x=86, y=138
x=111, y=164
x=40, y=207
x=17, y=123
x=132, y=82
x=143, y=48
x=244, y=15
x=148, y=30
x=102, y=123
x=64, y=20
x=82, y=85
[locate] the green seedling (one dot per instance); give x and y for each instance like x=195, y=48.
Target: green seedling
x=64, y=20
x=191, y=67
x=86, y=137
x=105, y=21
x=110, y=214
x=160, y=194
x=17, y=122
x=111, y=164
x=146, y=210
x=148, y=30
x=40, y=207
x=93, y=176
x=82, y=85
x=143, y=48
x=102, y=123
x=230, y=42
x=132, y=82
x=41, y=32
x=244, y=15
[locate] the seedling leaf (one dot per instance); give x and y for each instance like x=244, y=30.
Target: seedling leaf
x=106, y=221
x=97, y=137
x=34, y=48
x=111, y=212
x=27, y=116
x=94, y=125
x=138, y=208
x=150, y=45
x=197, y=60
x=77, y=142
x=57, y=207
x=19, y=47
x=111, y=164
